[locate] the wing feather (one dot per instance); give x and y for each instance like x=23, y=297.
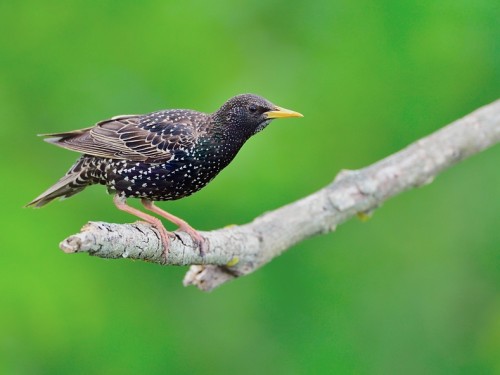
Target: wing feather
x=149, y=138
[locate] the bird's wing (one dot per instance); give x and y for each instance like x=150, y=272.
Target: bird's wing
x=148, y=138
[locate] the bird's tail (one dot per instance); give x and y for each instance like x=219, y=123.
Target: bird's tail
x=64, y=188
x=67, y=186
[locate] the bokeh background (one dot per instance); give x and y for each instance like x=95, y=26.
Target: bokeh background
x=415, y=290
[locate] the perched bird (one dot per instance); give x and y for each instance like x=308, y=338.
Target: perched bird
x=160, y=156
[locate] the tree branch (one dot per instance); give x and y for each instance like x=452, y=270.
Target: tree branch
x=239, y=250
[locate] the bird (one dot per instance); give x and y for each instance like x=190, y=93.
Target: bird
x=160, y=156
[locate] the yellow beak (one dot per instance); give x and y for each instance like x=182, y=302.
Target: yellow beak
x=279, y=112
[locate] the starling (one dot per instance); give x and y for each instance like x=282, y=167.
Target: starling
x=160, y=156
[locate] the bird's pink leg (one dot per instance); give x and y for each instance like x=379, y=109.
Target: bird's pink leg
x=120, y=203
x=183, y=226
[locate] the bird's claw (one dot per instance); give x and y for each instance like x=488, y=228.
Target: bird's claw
x=202, y=246
x=198, y=240
x=164, y=234
x=164, y=238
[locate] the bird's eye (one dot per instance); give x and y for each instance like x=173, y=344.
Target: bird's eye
x=252, y=108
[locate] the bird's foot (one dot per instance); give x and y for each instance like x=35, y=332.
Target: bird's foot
x=164, y=235
x=197, y=238
x=164, y=238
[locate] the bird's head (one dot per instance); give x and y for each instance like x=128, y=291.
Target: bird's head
x=247, y=114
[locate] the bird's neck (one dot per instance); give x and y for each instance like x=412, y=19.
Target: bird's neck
x=223, y=141
x=224, y=132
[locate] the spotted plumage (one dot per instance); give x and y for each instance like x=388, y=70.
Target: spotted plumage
x=164, y=155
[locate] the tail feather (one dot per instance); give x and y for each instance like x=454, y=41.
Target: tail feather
x=64, y=188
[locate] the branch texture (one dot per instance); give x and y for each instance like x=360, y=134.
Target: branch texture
x=239, y=250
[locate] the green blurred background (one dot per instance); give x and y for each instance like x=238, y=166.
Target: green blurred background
x=415, y=290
